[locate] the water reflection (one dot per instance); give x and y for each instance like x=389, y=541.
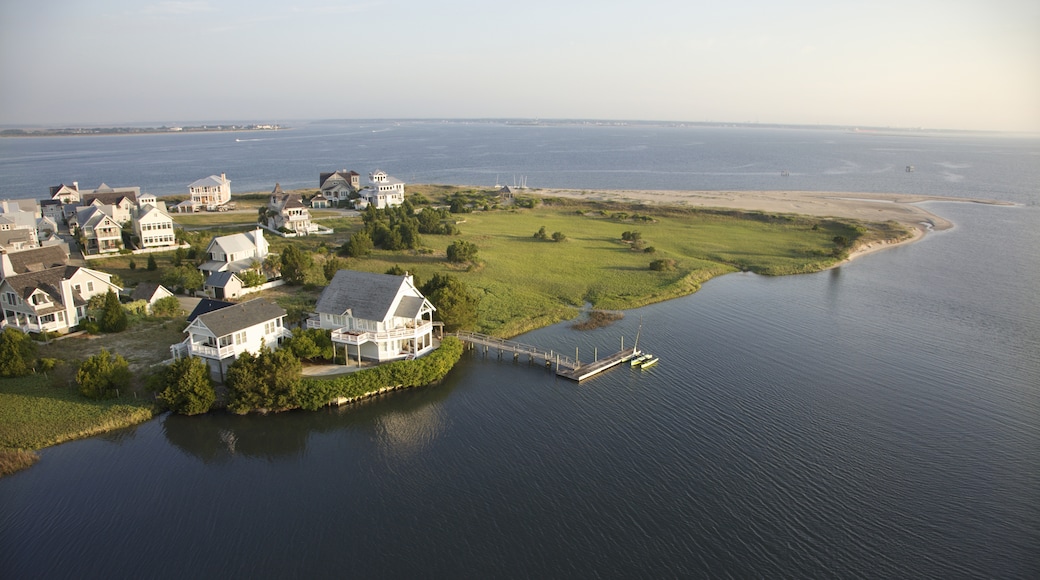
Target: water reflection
x=402, y=423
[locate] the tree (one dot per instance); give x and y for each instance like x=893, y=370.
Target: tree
x=456, y=307
x=152, y=266
x=359, y=245
x=101, y=375
x=310, y=343
x=663, y=265
x=17, y=351
x=541, y=234
x=185, y=386
x=461, y=251
x=559, y=236
x=332, y=265
x=295, y=264
x=251, y=278
x=113, y=316
x=268, y=380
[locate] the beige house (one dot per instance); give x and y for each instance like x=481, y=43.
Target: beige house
x=236, y=252
x=286, y=210
x=101, y=234
x=339, y=185
x=210, y=192
x=53, y=299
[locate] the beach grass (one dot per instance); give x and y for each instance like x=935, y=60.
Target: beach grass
x=34, y=414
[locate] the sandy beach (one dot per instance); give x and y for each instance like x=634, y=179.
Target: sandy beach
x=869, y=207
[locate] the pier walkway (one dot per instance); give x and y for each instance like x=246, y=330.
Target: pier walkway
x=566, y=366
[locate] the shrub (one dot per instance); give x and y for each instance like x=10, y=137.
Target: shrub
x=268, y=380
x=559, y=237
x=541, y=234
x=102, y=375
x=167, y=307
x=461, y=251
x=185, y=386
x=665, y=265
x=113, y=316
x=16, y=353
x=152, y=266
x=316, y=393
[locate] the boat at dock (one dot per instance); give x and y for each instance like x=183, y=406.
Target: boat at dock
x=649, y=362
x=640, y=359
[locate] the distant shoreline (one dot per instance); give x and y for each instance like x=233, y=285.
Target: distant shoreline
x=100, y=131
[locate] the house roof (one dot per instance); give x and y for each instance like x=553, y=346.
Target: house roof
x=38, y=259
x=49, y=281
x=92, y=215
x=207, y=305
x=147, y=291
x=110, y=197
x=221, y=279
x=342, y=174
x=410, y=306
x=240, y=316
x=366, y=295
x=236, y=243
x=150, y=210
x=211, y=181
x=15, y=236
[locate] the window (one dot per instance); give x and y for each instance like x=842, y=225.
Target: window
x=240, y=337
x=90, y=286
x=269, y=327
x=10, y=298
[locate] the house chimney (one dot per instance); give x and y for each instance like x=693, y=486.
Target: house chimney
x=75, y=185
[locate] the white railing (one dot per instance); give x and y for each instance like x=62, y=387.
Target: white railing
x=358, y=337
x=197, y=348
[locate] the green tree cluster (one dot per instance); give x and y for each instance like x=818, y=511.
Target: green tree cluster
x=310, y=344
x=456, y=306
x=182, y=278
x=167, y=307
x=185, y=386
x=268, y=380
x=113, y=316
x=102, y=375
x=461, y=251
x=17, y=352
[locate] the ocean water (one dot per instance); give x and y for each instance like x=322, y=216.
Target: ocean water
x=879, y=420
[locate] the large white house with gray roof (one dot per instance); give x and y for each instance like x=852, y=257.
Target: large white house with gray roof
x=220, y=336
x=378, y=317
x=235, y=253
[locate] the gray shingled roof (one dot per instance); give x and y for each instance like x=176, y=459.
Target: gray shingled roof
x=367, y=295
x=240, y=316
x=220, y=279
x=37, y=259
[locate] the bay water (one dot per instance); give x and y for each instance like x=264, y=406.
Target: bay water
x=878, y=420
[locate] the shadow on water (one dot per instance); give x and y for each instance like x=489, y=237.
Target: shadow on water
x=221, y=437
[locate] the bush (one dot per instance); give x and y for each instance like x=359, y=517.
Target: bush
x=185, y=386
x=461, y=251
x=316, y=393
x=167, y=307
x=268, y=380
x=16, y=353
x=102, y=375
x=559, y=237
x=152, y=266
x=665, y=265
x=541, y=234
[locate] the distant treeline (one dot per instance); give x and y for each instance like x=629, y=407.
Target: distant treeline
x=133, y=130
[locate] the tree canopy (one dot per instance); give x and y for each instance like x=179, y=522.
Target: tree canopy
x=100, y=376
x=456, y=306
x=17, y=351
x=269, y=380
x=185, y=386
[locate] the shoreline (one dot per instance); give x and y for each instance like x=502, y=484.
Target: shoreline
x=868, y=207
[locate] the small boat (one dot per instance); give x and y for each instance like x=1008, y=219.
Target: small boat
x=640, y=359
x=649, y=362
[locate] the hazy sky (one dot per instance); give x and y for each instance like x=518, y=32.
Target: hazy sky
x=959, y=64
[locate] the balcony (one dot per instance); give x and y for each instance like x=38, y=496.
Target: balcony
x=357, y=337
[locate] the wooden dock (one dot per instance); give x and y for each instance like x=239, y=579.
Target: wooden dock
x=582, y=372
x=566, y=367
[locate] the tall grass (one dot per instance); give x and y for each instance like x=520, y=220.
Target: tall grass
x=34, y=414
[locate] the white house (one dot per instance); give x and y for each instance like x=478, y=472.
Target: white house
x=34, y=260
x=100, y=232
x=236, y=252
x=52, y=299
x=339, y=185
x=211, y=192
x=383, y=190
x=66, y=194
x=286, y=210
x=154, y=227
x=223, y=286
x=219, y=336
x=377, y=317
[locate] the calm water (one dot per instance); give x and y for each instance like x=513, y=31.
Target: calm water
x=877, y=420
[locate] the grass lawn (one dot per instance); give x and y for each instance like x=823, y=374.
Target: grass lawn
x=526, y=283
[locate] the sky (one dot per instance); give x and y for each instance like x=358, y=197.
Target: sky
x=939, y=64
